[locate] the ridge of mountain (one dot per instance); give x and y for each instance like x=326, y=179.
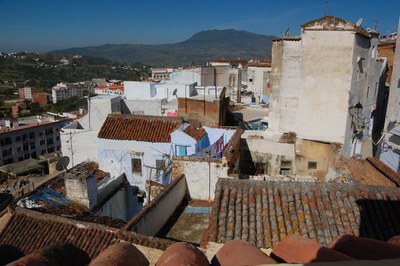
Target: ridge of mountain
x=198, y=49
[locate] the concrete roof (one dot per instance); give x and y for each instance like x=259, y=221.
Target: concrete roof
x=22, y=167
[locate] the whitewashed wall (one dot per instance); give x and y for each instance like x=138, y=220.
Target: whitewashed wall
x=139, y=90
x=115, y=157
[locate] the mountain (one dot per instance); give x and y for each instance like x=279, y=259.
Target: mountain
x=198, y=49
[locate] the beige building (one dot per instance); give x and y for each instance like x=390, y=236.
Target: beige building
x=325, y=84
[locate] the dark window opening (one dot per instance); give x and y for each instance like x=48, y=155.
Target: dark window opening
x=137, y=166
x=312, y=165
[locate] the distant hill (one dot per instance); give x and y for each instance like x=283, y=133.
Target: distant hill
x=198, y=49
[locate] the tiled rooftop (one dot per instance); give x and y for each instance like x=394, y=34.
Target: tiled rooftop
x=263, y=213
x=370, y=172
x=139, y=128
x=194, y=132
x=29, y=231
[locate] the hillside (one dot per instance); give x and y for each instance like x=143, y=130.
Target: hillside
x=45, y=70
x=198, y=49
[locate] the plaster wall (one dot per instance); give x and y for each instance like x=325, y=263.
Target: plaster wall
x=166, y=90
x=144, y=107
x=156, y=216
x=80, y=144
x=285, y=83
x=259, y=79
x=323, y=154
x=180, y=138
x=327, y=70
x=115, y=157
x=189, y=75
x=390, y=154
x=136, y=90
x=269, y=153
x=201, y=174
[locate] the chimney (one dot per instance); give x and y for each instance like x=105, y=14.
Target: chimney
x=81, y=188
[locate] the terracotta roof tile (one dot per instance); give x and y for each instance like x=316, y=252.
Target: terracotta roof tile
x=194, y=132
x=264, y=212
x=139, y=128
x=29, y=231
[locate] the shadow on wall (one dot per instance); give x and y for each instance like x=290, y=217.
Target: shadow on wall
x=247, y=166
x=232, y=119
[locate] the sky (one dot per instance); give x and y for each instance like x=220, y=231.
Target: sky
x=45, y=25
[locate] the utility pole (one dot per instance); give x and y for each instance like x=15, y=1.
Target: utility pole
x=72, y=151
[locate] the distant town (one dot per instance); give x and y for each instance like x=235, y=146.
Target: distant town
x=289, y=159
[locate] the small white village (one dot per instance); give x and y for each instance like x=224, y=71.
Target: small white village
x=288, y=159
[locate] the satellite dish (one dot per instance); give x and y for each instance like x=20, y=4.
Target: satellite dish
x=62, y=163
x=175, y=92
x=359, y=21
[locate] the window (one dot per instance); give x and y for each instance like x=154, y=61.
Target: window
x=286, y=167
x=31, y=135
x=18, y=138
x=181, y=150
x=312, y=165
x=43, y=142
x=137, y=166
x=160, y=165
x=260, y=168
x=32, y=145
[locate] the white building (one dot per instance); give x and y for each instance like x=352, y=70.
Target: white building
x=258, y=74
x=157, y=99
x=203, y=76
x=79, y=139
x=142, y=146
x=325, y=83
x=63, y=91
x=158, y=74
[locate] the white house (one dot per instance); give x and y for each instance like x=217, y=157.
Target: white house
x=258, y=74
x=142, y=146
x=140, y=90
x=203, y=76
x=157, y=99
x=79, y=139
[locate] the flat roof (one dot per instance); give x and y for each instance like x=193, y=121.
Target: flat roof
x=22, y=167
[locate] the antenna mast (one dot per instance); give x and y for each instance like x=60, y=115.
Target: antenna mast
x=326, y=7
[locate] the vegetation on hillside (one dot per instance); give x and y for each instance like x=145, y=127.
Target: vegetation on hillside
x=45, y=70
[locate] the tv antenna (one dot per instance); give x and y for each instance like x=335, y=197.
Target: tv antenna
x=286, y=32
x=62, y=163
x=326, y=7
x=359, y=21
